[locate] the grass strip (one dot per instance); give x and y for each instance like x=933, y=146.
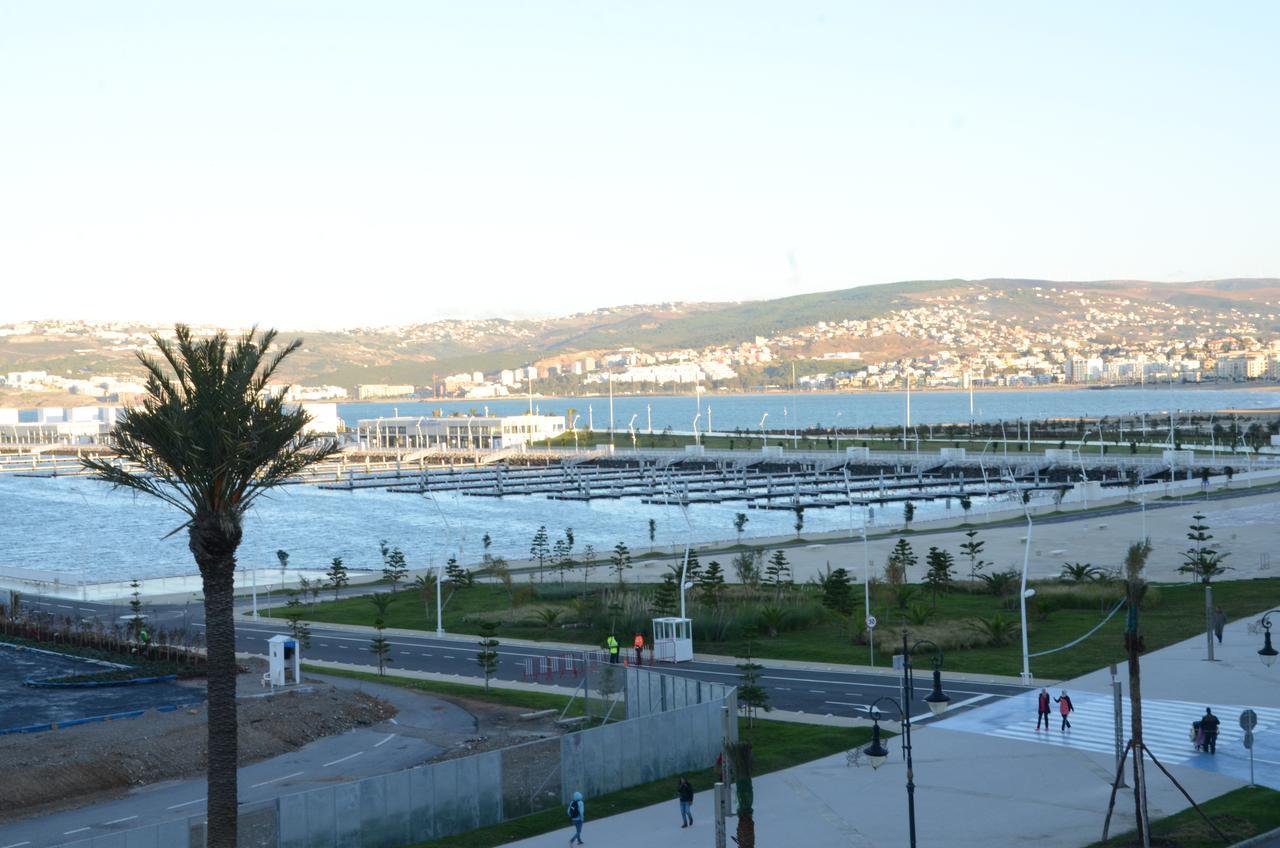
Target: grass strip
x=1240, y=814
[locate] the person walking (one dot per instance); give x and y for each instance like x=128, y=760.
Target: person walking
x=1042, y=710
x=639, y=645
x=684, y=791
x=1209, y=727
x=612, y=643
x=577, y=815
x=1219, y=623
x=1064, y=707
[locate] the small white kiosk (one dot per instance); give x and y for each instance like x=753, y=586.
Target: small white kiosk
x=284, y=662
x=673, y=639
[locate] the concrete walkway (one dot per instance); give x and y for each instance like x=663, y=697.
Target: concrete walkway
x=984, y=778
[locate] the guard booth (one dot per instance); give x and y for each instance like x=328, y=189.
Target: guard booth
x=673, y=639
x=284, y=662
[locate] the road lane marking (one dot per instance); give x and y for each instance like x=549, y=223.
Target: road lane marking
x=390, y=736
x=449, y=656
x=184, y=804
x=817, y=691
x=275, y=780
x=393, y=721
x=343, y=759
x=17, y=844
x=120, y=821
x=77, y=830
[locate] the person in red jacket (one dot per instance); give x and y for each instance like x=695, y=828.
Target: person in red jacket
x=1064, y=707
x=1042, y=710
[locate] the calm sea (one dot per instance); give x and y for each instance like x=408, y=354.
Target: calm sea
x=83, y=528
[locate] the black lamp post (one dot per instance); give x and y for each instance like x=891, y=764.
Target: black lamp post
x=1268, y=653
x=937, y=700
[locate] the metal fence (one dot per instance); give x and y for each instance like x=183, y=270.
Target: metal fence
x=661, y=725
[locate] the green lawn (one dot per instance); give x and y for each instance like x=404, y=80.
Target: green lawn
x=1239, y=814
x=1173, y=612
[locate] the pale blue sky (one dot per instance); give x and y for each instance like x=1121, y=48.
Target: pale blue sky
x=315, y=163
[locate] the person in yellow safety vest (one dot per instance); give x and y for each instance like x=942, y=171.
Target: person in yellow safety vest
x=639, y=643
x=613, y=649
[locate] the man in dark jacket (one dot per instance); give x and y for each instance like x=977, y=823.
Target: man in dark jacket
x=684, y=791
x=1209, y=726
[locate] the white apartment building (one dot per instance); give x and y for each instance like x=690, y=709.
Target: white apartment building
x=373, y=391
x=473, y=432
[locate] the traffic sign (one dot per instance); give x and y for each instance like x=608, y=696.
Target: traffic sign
x=1248, y=720
x=871, y=622
x=1248, y=739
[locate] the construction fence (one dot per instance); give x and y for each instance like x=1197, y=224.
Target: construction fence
x=662, y=725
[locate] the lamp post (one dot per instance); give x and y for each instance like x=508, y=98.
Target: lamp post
x=937, y=700
x=764, y=438
x=631, y=425
x=1268, y=653
x=573, y=425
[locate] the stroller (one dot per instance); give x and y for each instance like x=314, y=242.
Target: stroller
x=1198, y=740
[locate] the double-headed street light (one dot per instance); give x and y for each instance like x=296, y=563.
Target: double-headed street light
x=937, y=700
x=1268, y=653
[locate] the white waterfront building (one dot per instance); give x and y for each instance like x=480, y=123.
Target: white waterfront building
x=479, y=432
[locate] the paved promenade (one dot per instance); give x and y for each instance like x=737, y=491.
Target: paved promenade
x=986, y=778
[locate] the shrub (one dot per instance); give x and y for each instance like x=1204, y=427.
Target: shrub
x=995, y=630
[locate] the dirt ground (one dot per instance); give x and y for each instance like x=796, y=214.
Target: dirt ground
x=96, y=761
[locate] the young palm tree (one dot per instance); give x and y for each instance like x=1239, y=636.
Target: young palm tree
x=209, y=439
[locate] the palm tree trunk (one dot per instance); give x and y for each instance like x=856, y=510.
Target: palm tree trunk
x=220, y=639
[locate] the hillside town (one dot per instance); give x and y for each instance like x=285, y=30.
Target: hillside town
x=982, y=336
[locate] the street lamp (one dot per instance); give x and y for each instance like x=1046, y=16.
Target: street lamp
x=937, y=700
x=696, y=418
x=631, y=426
x=573, y=425
x=763, y=436
x=1268, y=653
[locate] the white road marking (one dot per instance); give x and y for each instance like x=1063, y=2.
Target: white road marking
x=185, y=804
x=449, y=656
x=122, y=821
x=390, y=736
x=17, y=844
x=424, y=655
x=817, y=691
x=343, y=759
x=393, y=721
x=77, y=830
x=275, y=780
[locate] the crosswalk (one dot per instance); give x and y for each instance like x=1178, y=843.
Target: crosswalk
x=1166, y=731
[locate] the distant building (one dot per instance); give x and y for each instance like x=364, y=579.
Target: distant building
x=489, y=432
x=1243, y=366
x=374, y=391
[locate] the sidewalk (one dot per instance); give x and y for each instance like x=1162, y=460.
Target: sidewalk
x=978, y=789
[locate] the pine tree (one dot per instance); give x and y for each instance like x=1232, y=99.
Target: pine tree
x=711, y=584
x=666, y=596
x=653, y=532
x=938, y=576
x=394, y=567
x=908, y=513
x=973, y=550
x=1202, y=561
x=487, y=656
x=777, y=573
x=135, y=608
x=487, y=541
x=901, y=558
x=837, y=591
x=337, y=575
x=298, y=629
x=540, y=549
x=752, y=697
x=620, y=560
x=588, y=561
x=740, y=523
x=460, y=577
x=799, y=522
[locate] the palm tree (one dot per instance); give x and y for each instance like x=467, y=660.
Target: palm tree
x=209, y=439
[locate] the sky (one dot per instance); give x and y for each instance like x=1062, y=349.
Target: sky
x=316, y=164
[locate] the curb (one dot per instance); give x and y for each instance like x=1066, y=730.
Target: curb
x=51, y=683
x=59, y=725
x=1260, y=840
